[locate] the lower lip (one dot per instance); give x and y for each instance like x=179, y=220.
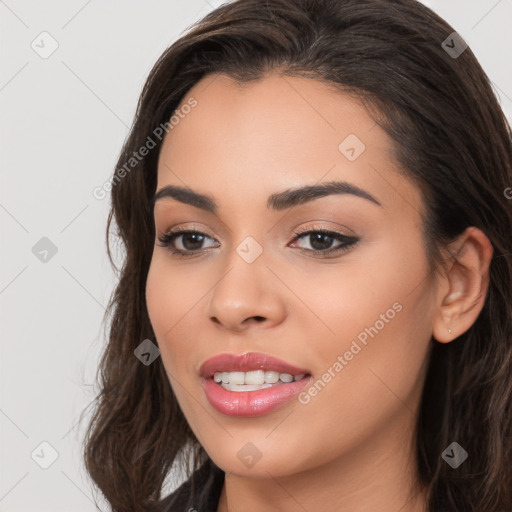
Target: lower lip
x=251, y=403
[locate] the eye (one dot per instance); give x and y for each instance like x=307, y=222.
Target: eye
x=320, y=240
x=191, y=241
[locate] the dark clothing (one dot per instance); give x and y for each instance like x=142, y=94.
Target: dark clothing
x=200, y=493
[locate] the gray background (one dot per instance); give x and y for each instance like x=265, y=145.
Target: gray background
x=63, y=121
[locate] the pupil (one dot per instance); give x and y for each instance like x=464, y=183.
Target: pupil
x=198, y=241
x=325, y=241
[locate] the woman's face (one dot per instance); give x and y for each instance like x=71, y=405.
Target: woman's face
x=358, y=320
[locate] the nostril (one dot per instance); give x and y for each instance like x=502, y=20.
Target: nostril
x=255, y=318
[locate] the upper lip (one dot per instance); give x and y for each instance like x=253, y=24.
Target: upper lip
x=247, y=362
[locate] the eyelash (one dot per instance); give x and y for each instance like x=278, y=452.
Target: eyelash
x=347, y=241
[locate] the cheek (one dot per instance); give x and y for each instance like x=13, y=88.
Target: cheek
x=171, y=291
x=171, y=299
x=379, y=316
x=171, y=295
x=340, y=301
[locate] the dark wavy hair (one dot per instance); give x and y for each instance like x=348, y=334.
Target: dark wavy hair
x=450, y=137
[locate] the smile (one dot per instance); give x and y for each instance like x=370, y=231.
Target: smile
x=250, y=384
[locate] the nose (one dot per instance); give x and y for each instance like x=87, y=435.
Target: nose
x=247, y=294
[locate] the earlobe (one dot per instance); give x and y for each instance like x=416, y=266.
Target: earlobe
x=462, y=293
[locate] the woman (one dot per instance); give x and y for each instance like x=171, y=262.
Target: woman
x=315, y=306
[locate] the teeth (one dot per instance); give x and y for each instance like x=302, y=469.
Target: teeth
x=254, y=377
x=257, y=378
x=245, y=387
x=271, y=377
x=236, y=378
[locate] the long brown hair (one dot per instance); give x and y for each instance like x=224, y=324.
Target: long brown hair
x=453, y=141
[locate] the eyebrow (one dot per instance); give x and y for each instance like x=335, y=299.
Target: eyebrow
x=278, y=201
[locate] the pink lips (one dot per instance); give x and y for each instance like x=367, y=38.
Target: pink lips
x=250, y=403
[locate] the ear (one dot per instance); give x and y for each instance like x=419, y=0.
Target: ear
x=463, y=286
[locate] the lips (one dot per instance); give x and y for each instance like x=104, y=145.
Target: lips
x=247, y=362
x=246, y=401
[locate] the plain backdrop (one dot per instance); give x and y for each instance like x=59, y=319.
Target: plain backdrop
x=63, y=120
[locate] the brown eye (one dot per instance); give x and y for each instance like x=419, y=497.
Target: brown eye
x=191, y=241
x=321, y=240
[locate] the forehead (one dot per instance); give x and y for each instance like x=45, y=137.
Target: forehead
x=276, y=108
x=275, y=133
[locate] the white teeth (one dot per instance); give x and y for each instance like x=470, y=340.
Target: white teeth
x=271, y=377
x=246, y=387
x=254, y=377
x=238, y=378
x=257, y=378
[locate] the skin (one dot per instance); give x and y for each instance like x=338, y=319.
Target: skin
x=351, y=447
